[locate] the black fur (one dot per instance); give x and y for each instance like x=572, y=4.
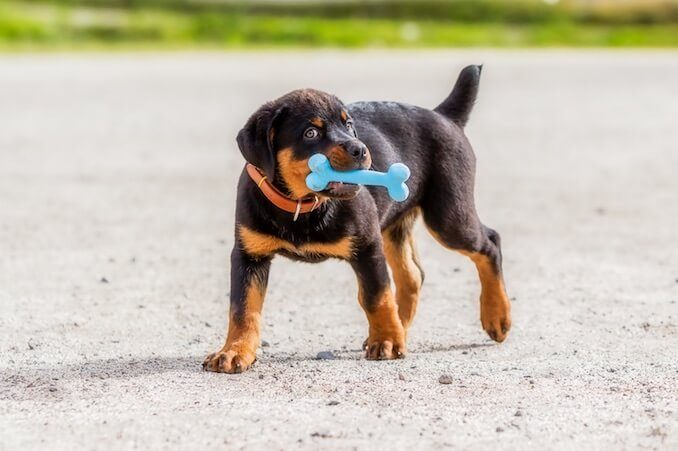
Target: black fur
x=245, y=272
x=255, y=139
x=459, y=103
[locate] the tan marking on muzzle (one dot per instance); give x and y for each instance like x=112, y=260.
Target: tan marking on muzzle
x=340, y=159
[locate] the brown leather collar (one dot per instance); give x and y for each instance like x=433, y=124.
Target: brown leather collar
x=296, y=207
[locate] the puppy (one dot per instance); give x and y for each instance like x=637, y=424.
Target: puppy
x=277, y=213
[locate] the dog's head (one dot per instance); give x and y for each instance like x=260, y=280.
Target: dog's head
x=282, y=135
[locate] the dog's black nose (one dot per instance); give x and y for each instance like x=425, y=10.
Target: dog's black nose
x=357, y=150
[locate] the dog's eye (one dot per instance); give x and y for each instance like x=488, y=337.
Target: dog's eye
x=349, y=126
x=311, y=133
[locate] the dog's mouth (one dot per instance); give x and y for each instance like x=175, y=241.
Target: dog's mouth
x=341, y=190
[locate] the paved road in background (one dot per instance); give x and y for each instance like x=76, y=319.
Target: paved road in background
x=117, y=182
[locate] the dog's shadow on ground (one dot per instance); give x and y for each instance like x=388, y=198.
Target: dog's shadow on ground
x=358, y=354
x=428, y=348
x=38, y=382
x=118, y=368
x=24, y=380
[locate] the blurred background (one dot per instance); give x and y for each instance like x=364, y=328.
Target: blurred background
x=118, y=167
x=167, y=24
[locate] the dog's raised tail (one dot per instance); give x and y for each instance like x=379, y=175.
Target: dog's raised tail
x=458, y=105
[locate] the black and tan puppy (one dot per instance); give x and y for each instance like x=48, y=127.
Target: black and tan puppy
x=277, y=214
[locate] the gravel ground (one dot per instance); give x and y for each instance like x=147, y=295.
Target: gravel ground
x=117, y=178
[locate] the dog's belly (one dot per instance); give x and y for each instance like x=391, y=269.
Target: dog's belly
x=304, y=257
x=316, y=252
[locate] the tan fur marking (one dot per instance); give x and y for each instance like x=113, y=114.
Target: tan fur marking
x=294, y=173
x=242, y=341
x=495, y=307
x=340, y=249
x=340, y=159
x=383, y=319
x=318, y=122
x=344, y=116
x=386, y=338
x=493, y=291
x=260, y=245
x=244, y=335
x=401, y=258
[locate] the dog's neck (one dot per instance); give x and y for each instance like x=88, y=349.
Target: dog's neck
x=289, y=212
x=280, y=198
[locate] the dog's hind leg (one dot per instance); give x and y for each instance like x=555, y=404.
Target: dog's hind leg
x=457, y=227
x=402, y=258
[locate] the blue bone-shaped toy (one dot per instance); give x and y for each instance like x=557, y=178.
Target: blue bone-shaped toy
x=393, y=180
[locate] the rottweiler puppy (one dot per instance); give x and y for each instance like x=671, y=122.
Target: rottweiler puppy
x=276, y=213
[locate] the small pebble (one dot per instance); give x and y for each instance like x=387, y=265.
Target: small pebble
x=326, y=355
x=401, y=376
x=518, y=413
x=103, y=280
x=265, y=344
x=445, y=379
x=333, y=403
x=499, y=429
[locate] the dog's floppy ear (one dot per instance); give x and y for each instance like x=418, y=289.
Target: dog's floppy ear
x=255, y=140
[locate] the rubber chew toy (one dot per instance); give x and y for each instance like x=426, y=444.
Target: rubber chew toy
x=393, y=180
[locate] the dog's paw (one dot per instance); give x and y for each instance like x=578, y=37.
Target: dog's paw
x=384, y=349
x=496, y=322
x=229, y=360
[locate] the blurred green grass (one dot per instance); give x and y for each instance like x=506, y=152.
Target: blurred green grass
x=110, y=24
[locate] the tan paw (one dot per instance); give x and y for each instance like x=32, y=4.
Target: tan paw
x=385, y=349
x=231, y=360
x=496, y=322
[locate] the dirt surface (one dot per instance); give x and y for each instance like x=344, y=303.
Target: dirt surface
x=117, y=177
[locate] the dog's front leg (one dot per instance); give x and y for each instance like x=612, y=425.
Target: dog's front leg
x=386, y=338
x=249, y=277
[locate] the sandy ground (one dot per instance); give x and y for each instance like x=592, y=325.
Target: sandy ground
x=117, y=178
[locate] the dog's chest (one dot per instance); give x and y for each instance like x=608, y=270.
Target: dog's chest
x=260, y=244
